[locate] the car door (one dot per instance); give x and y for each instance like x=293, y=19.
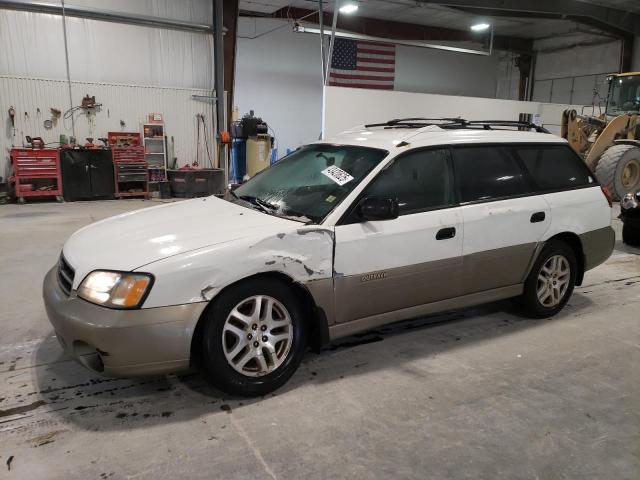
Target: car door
x=387, y=265
x=503, y=219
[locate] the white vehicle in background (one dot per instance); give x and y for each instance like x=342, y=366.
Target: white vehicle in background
x=379, y=224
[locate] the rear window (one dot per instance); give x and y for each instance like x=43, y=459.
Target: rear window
x=554, y=167
x=487, y=172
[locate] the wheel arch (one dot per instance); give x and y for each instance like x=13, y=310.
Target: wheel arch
x=573, y=240
x=318, y=335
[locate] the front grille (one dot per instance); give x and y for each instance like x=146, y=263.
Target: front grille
x=65, y=275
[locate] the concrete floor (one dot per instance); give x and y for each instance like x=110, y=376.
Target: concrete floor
x=481, y=393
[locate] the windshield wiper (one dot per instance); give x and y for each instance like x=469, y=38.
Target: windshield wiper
x=258, y=202
x=273, y=209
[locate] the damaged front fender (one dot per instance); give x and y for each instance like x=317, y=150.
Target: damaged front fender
x=304, y=254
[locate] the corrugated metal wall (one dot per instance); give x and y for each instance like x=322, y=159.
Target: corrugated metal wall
x=32, y=99
x=32, y=45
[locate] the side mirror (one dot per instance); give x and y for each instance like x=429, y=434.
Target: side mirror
x=378, y=208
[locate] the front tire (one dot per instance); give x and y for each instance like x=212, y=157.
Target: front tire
x=254, y=337
x=551, y=281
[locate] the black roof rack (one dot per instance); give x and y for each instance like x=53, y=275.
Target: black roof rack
x=456, y=123
x=417, y=122
x=488, y=124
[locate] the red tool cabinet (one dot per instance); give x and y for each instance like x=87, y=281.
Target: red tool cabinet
x=36, y=173
x=130, y=171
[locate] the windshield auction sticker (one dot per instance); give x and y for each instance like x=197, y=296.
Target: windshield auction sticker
x=337, y=175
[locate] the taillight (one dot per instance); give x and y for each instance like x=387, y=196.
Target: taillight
x=608, y=195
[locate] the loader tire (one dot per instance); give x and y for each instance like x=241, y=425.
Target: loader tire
x=619, y=170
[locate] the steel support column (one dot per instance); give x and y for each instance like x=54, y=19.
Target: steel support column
x=523, y=62
x=230, y=22
x=218, y=63
x=218, y=76
x=626, y=53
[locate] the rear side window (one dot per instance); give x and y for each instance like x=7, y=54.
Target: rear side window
x=487, y=172
x=420, y=180
x=554, y=166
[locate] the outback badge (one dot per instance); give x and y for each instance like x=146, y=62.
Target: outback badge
x=373, y=276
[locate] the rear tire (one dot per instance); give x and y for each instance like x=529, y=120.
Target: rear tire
x=551, y=280
x=254, y=337
x=631, y=235
x=619, y=170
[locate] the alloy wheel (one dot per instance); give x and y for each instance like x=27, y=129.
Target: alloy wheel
x=553, y=281
x=257, y=335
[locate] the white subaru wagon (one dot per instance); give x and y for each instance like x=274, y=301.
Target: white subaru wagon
x=379, y=224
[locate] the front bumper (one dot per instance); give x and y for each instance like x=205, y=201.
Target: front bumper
x=121, y=343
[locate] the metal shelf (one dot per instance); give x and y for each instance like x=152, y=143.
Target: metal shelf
x=158, y=145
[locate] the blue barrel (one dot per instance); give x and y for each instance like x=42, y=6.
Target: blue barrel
x=238, y=160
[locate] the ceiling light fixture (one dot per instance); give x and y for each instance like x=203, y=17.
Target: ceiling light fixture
x=480, y=27
x=349, y=8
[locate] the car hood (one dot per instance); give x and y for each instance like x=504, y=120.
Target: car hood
x=134, y=239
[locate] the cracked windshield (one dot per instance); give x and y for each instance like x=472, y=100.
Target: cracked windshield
x=309, y=183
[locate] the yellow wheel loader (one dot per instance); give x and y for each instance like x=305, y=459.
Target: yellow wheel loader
x=610, y=142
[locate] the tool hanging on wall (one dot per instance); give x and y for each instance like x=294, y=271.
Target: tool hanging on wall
x=53, y=121
x=174, y=159
x=88, y=104
x=35, y=142
x=12, y=119
x=197, y=163
x=200, y=118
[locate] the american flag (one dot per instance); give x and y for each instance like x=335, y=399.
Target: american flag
x=362, y=64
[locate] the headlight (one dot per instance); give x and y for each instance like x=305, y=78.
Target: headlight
x=629, y=201
x=115, y=289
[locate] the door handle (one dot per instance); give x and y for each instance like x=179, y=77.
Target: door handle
x=538, y=217
x=445, y=233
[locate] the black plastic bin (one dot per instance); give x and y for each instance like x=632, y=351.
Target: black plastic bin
x=165, y=189
x=197, y=182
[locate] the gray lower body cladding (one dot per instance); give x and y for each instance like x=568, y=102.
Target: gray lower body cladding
x=379, y=293
x=375, y=298
x=597, y=246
